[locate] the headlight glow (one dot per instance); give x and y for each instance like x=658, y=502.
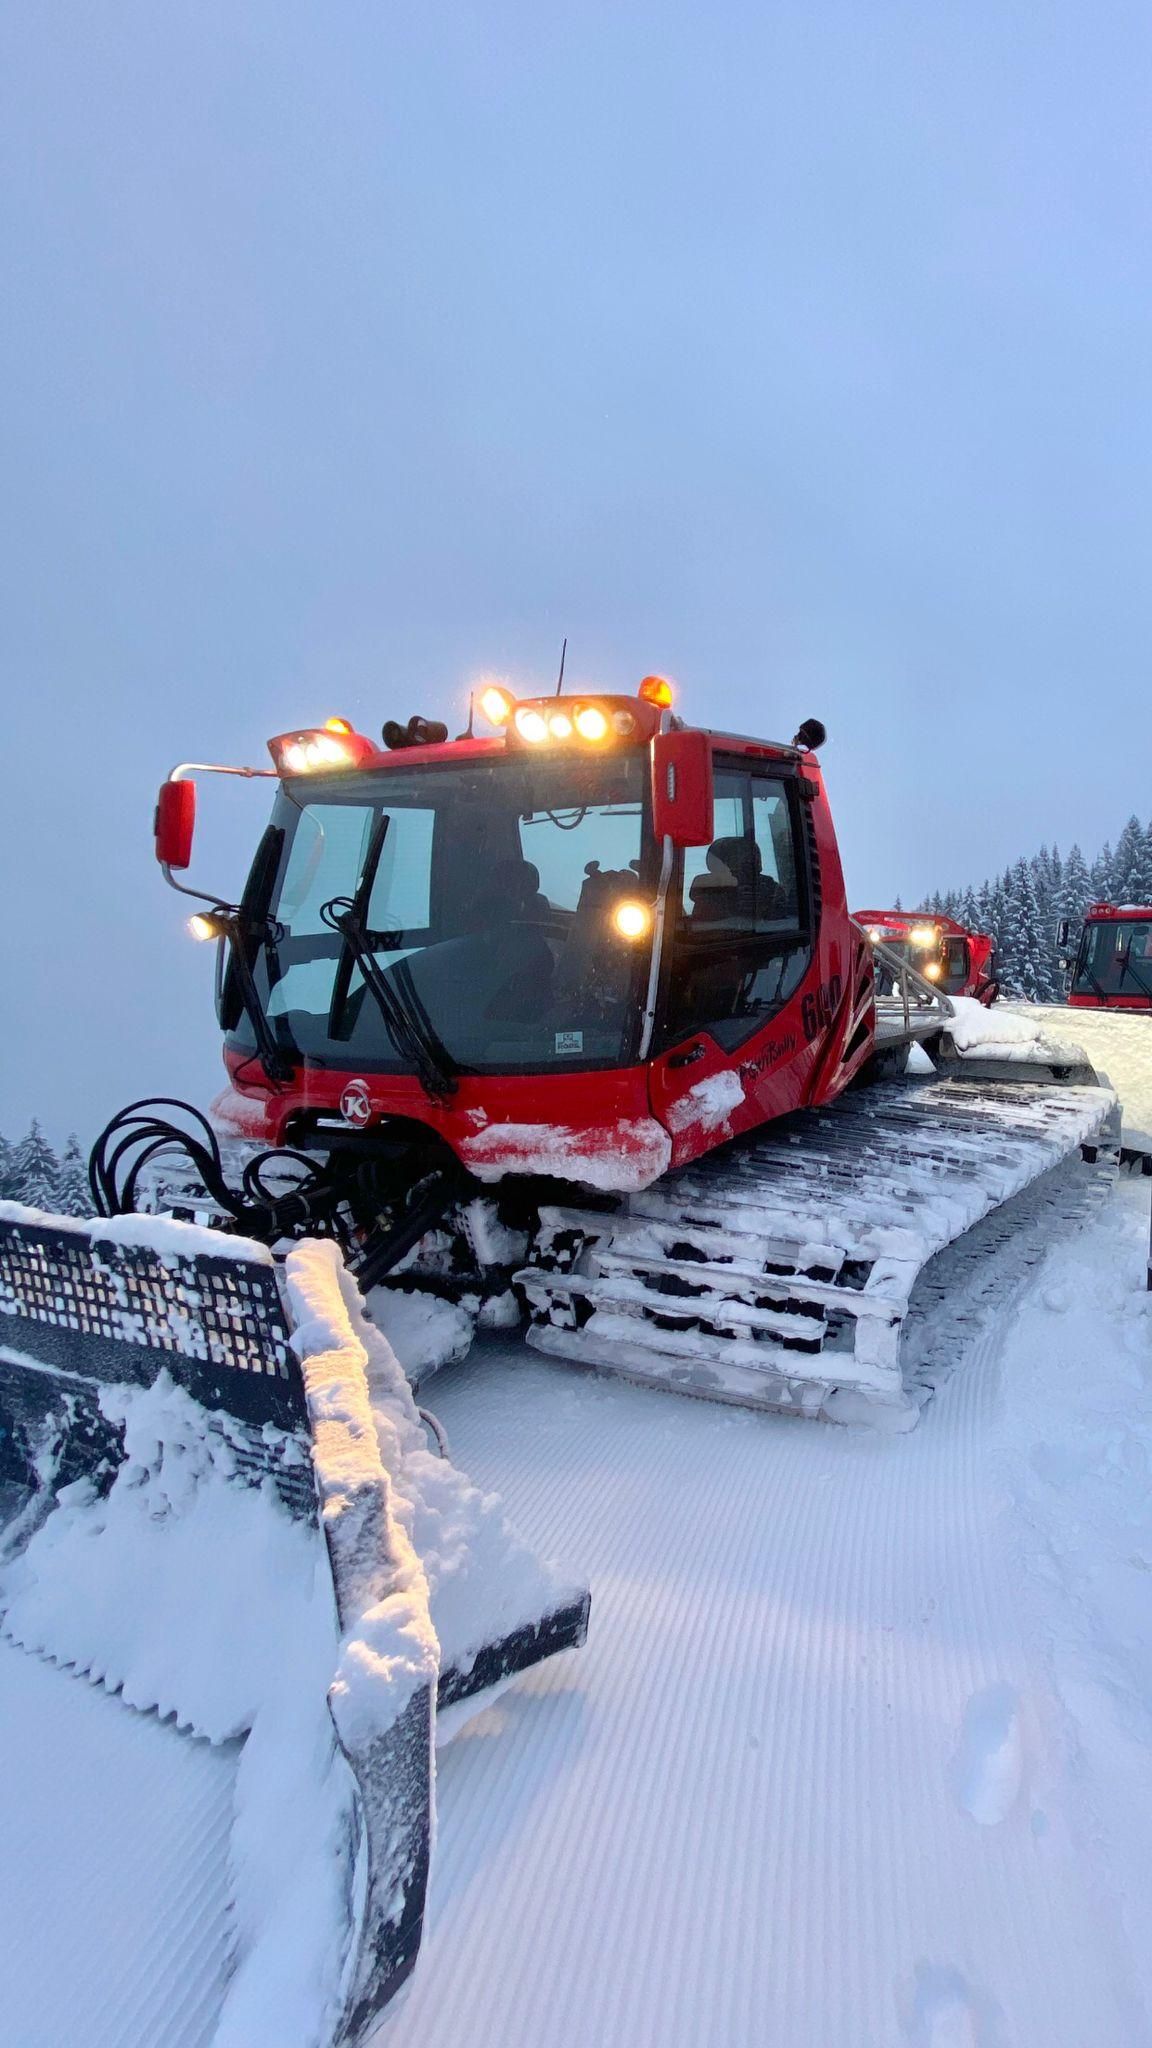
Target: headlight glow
x=932, y=971
x=632, y=920
x=497, y=704
x=923, y=935
x=531, y=725
x=560, y=725
x=591, y=723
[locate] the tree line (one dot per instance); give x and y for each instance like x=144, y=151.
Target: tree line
x=31, y=1172
x=1022, y=907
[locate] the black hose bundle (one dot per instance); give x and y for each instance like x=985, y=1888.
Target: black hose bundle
x=140, y=1133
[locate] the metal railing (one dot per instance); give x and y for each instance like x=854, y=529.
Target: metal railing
x=910, y=994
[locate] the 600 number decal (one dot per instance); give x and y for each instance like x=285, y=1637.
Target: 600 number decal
x=818, y=1009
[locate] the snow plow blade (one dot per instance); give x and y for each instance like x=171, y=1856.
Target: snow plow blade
x=159, y=1382
x=778, y=1273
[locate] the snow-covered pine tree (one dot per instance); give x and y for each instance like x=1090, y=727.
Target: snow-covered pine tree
x=72, y=1195
x=1076, y=887
x=7, y=1177
x=1046, y=870
x=1030, y=976
x=34, y=1170
x=1101, y=875
x=1128, y=863
x=1146, y=898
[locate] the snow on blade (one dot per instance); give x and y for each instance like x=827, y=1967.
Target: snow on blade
x=204, y=1599
x=483, y=1581
x=423, y=1331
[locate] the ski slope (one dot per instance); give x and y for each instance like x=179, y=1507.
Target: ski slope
x=858, y=1755
x=113, y=1869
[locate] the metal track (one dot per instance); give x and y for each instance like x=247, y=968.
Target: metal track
x=777, y=1273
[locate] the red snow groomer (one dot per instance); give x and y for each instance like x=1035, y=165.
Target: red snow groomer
x=959, y=961
x=1112, y=968
x=514, y=1011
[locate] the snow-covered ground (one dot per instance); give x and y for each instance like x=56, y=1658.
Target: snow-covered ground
x=858, y=1755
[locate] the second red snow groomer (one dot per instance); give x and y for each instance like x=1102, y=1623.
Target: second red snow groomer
x=958, y=959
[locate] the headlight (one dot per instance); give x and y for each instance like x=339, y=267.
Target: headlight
x=497, y=704
x=932, y=971
x=923, y=935
x=632, y=920
x=591, y=723
x=531, y=725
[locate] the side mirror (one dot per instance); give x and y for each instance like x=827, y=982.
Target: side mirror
x=1062, y=933
x=682, y=789
x=174, y=823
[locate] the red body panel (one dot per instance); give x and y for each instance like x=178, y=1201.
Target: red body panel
x=619, y=1129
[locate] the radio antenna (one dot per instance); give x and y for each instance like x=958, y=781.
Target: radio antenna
x=560, y=677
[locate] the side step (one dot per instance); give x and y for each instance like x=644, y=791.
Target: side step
x=778, y=1273
x=275, y=1389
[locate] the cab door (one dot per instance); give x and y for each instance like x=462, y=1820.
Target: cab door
x=739, y=940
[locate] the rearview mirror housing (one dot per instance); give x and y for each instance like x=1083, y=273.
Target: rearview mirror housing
x=682, y=788
x=175, y=823
x=1062, y=933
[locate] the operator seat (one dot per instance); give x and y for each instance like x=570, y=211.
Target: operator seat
x=734, y=889
x=509, y=895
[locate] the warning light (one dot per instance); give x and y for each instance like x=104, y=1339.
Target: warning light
x=656, y=690
x=497, y=704
x=632, y=920
x=340, y=725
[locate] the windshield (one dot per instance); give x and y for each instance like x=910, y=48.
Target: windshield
x=1115, y=958
x=485, y=893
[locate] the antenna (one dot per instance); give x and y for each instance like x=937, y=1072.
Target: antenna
x=467, y=733
x=560, y=677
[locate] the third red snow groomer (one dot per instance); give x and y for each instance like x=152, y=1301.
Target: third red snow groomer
x=956, y=958
x=1112, y=969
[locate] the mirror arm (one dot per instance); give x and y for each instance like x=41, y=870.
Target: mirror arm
x=181, y=773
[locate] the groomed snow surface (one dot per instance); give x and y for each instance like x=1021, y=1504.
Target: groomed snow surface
x=858, y=1755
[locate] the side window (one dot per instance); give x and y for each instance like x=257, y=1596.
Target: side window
x=708, y=895
x=778, y=897
x=327, y=850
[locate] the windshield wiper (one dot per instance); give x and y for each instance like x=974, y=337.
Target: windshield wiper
x=407, y=1025
x=1088, y=975
x=404, y=1016
x=1126, y=967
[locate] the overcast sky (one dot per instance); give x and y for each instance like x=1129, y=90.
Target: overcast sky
x=801, y=351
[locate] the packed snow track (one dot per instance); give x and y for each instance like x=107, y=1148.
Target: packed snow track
x=114, y=1932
